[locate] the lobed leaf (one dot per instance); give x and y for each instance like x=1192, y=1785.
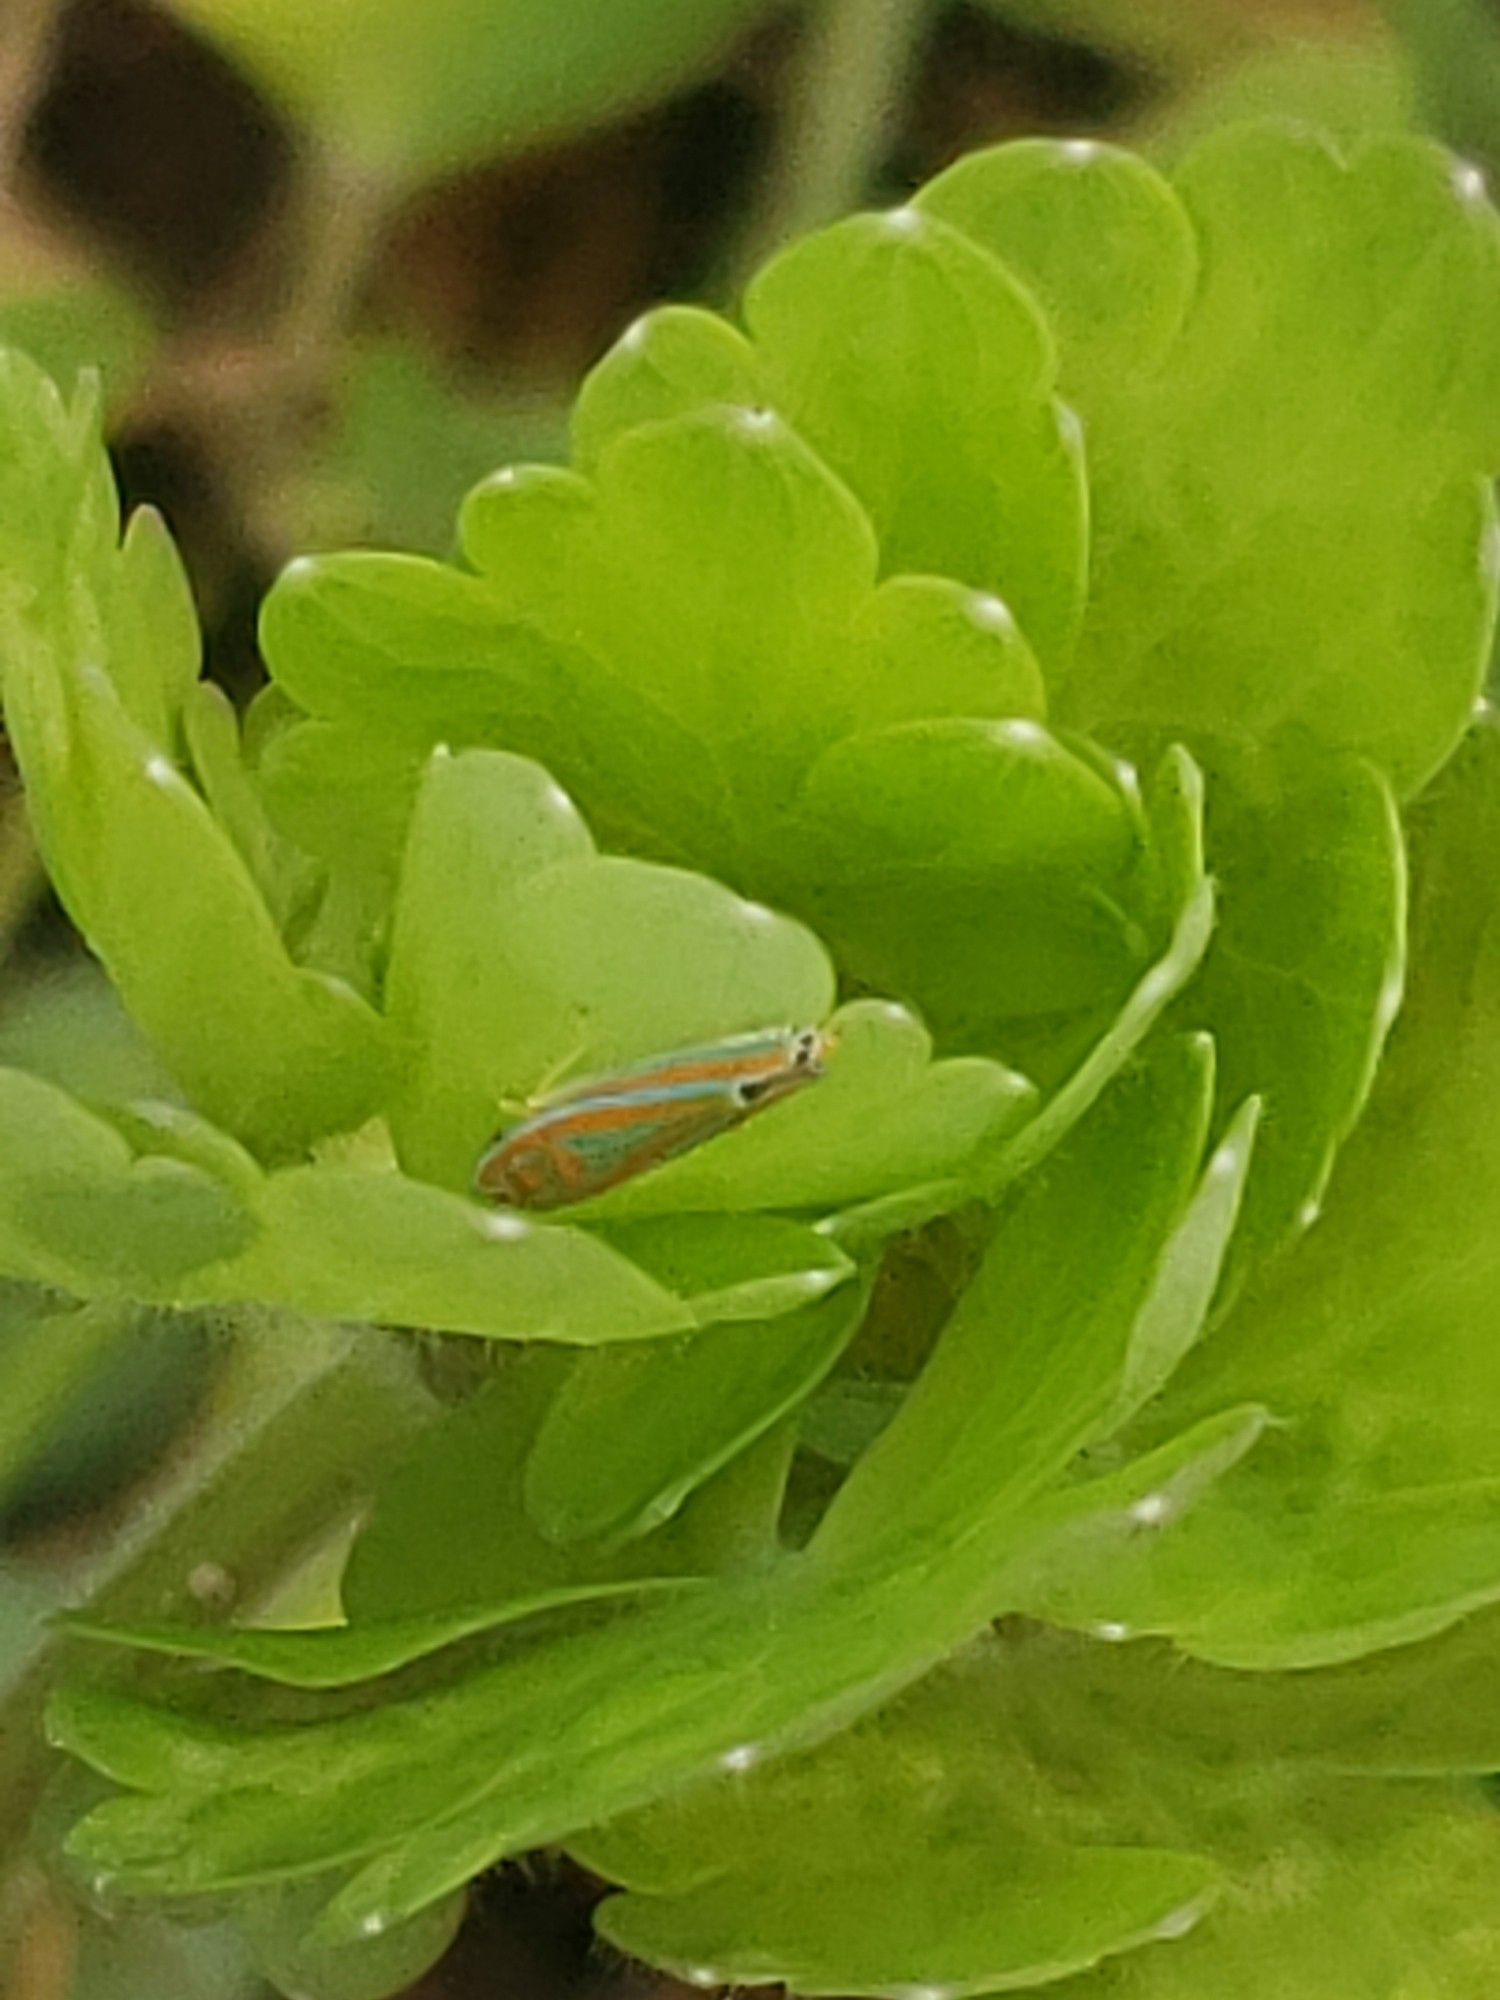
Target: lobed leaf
x=1368, y=1520
x=632, y=1432
x=1046, y=1754
x=972, y=867
x=1305, y=973
x=472, y=1771
x=334, y=1656
x=81, y=1211
x=471, y=1468
x=278, y=1054
x=923, y=373
x=1289, y=430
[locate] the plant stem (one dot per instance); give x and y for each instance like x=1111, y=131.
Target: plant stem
x=341, y=210
x=836, y=128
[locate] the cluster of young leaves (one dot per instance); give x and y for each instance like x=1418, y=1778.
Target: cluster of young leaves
x=821, y=609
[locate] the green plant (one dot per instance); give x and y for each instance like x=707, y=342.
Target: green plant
x=858, y=613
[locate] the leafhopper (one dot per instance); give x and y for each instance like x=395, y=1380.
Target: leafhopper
x=598, y=1133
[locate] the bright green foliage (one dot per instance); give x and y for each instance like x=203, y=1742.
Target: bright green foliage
x=1304, y=976
x=516, y=960
x=472, y=1468
x=858, y=1618
x=1031, y=1797
x=98, y=659
x=923, y=373
x=1029, y=1361
x=274, y=1924
x=633, y=1431
x=967, y=815
x=1368, y=1520
x=674, y=359
x=479, y=78
x=338, y=1655
x=769, y=710
x=1286, y=438
x=83, y=1212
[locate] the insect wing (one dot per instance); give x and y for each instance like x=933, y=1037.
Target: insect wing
x=765, y=1058
x=584, y=1146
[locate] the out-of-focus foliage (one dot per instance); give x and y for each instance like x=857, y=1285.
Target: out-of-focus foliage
x=407, y=99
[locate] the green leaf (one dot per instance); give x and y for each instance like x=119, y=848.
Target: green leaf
x=336, y=1655
x=418, y=1553
x=65, y=1023
x=1423, y=1710
x=1191, y=1270
x=1368, y=1520
x=1027, y=1365
x=1291, y=515
x=479, y=79
x=58, y=498
x=366, y=1243
x=342, y=794
x=923, y=373
x=1055, y=1755
x=79, y=1210
x=154, y=645
x=399, y=643
x=475, y=1771
x=190, y=1220
x=1184, y=892
x=916, y=1867
x=732, y=1267
x=972, y=867
x=669, y=362
x=150, y=1125
x=1098, y=236
x=48, y=1354
x=1174, y=816
x=517, y=960
x=938, y=648
x=1305, y=973
x=277, y=1054
x=275, y=1923
x=765, y=558
x=141, y=1956
x=286, y=879
x=888, y=1909
x=712, y=574
x=410, y=653
x=632, y=1432
x=296, y=1417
